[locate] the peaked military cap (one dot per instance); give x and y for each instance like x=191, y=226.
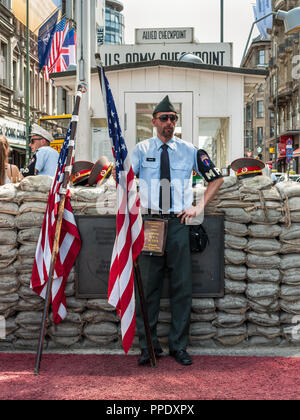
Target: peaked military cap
x=100, y=171
x=81, y=171
x=36, y=130
x=247, y=167
x=164, y=106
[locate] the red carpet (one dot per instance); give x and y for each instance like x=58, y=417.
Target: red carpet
x=107, y=377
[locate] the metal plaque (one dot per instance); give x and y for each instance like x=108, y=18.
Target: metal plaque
x=93, y=262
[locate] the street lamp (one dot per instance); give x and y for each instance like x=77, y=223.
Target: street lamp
x=291, y=21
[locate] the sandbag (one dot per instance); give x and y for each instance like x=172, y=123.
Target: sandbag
x=263, y=246
x=40, y=183
x=9, y=208
x=7, y=221
x=8, y=237
x=236, y=229
x=264, y=231
x=258, y=275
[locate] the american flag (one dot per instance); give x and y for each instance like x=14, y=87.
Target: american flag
x=69, y=244
x=130, y=234
x=59, y=37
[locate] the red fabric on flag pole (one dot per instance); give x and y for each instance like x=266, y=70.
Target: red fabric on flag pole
x=69, y=244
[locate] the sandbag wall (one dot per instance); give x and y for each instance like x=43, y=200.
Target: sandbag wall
x=261, y=305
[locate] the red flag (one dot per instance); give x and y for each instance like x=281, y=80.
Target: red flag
x=69, y=244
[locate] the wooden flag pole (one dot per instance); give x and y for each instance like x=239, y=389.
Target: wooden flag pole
x=145, y=313
x=61, y=207
x=136, y=268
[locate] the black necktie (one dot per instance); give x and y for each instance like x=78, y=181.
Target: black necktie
x=165, y=201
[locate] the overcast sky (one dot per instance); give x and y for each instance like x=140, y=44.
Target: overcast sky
x=203, y=15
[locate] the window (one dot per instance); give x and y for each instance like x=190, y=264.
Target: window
x=291, y=116
x=261, y=57
x=3, y=63
x=259, y=109
x=260, y=133
x=272, y=128
x=214, y=138
x=248, y=142
x=248, y=113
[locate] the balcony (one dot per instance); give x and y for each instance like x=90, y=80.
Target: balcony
x=284, y=93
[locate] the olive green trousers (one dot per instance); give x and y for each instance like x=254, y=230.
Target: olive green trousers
x=177, y=259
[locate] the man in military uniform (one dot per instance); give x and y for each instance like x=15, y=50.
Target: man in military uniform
x=164, y=165
x=45, y=158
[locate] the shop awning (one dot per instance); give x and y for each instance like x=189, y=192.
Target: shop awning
x=18, y=146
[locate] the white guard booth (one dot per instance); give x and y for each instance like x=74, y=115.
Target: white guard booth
x=209, y=100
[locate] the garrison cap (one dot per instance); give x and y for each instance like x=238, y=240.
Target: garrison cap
x=164, y=106
x=247, y=167
x=36, y=130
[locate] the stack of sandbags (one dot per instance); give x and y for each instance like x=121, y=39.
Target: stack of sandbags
x=94, y=201
x=290, y=193
x=253, y=209
x=101, y=325
x=9, y=284
x=32, y=197
x=202, y=330
x=290, y=260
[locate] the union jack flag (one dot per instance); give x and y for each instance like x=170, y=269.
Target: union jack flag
x=69, y=243
x=130, y=234
x=61, y=32
x=67, y=54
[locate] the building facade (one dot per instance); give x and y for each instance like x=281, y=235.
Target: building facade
x=272, y=110
x=114, y=22
x=257, y=116
x=13, y=64
x=283, y=91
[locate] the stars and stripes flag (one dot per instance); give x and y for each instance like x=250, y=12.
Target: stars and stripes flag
x=69, y=243
x=130, y=234
x=61, y=32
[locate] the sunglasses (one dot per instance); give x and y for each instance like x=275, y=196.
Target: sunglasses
x=165, y=117
x=33, y=140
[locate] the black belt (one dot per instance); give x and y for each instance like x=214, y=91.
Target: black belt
x=162, y=215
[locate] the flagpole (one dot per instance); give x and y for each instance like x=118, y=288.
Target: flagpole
x=63, y=192
x=138, y=277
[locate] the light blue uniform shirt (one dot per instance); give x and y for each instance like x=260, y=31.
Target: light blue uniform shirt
x=46, y=161
x=145, y=160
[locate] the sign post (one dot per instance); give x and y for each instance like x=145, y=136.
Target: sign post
x=289, y=155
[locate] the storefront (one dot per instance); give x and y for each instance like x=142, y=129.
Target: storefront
x=15, y=132
x=208, y=98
